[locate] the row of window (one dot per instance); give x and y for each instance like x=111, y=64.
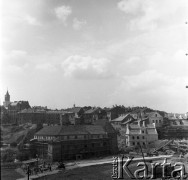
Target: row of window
x=134, y=143
x=157, y=121
x=71, y=137
x=138, y=137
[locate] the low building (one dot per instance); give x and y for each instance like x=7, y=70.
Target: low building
x=75, y=141
x=140, y=134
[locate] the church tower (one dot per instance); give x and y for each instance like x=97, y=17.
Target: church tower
x=7, y=100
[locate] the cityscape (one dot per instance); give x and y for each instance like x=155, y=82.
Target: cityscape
x=33, y=135
x=94, y=90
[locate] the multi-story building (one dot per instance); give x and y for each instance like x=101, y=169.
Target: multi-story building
x=14, y=108
x=75, y=141
x=140, y=134
x=32, y=115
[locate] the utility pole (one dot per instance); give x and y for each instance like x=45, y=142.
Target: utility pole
x=28, y=172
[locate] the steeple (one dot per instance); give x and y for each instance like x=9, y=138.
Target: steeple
x=7, y=96
x=7, y=99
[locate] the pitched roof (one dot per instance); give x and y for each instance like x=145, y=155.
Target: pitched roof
x=120, y=118
x=152, y=114
x=49, y=130
x=106, y=125
x=71, y=129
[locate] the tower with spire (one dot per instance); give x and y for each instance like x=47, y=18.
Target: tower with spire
x=7, y=99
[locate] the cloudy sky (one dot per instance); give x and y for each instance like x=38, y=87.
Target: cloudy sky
x=95, y=52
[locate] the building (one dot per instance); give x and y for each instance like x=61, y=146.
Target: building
x=155, y=117
x=94, y=114
x=7, y=100
x=53, y=117
x=32, y=115
x=122, y=119
x=140, y=134
x=14, y=108
x=68, y=118
x=75, y=141
x=78, y=114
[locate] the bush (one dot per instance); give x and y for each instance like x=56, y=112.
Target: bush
x=13, y=144
x=8, y=156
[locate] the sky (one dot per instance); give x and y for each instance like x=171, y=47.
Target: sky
x=57, y=53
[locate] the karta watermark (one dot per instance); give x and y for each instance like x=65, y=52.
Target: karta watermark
x=164, y=170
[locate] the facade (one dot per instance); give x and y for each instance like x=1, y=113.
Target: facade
x=53, y=117
x=74, y=141
x=31, y=115
x=140, y=134
x=155, y=117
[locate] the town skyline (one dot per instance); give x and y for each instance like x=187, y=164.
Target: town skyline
x=100, y=53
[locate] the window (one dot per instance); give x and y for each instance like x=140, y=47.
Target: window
x=138, y=143
x=133, y=137
x=133, y=143
x=143, y=143
x=71, y=137
x=153, y=121
x=143, y=137
x=155, y=115
x=137, y=137
x=142, y=131
x=159, y=121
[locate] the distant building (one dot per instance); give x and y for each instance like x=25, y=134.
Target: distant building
x=7, y=100
x=140, y=134
x=123, y=119
x=32, y=115
x=14, y=108
x=75, y=141
x=155, y=117
x=94, y=114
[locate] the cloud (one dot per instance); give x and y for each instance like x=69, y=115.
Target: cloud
x=63, y=13
x=86, y=67
x=32, y=20
x=153, y=89
x=150, y=14
x=129, y=6
x=46, y=67
x=78, y=24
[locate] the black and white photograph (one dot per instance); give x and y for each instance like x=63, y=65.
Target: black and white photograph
x=94, y=89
